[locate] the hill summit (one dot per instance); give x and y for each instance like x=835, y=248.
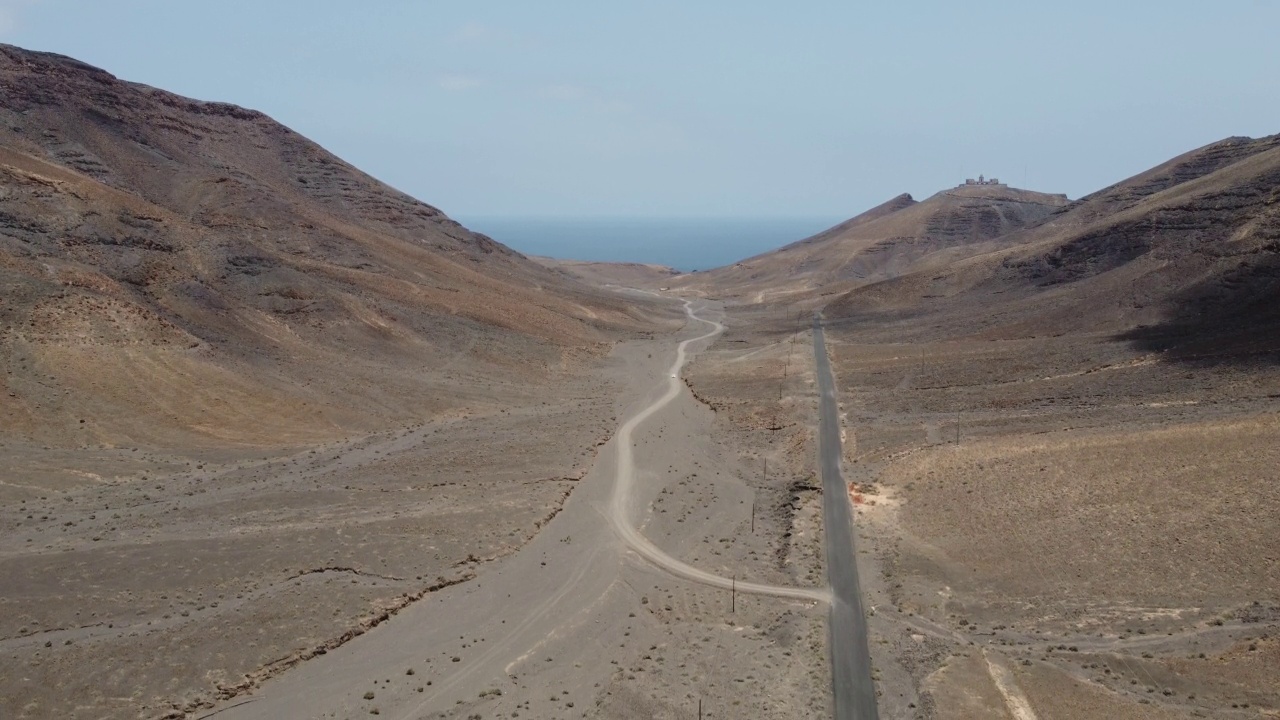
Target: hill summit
x=887, y=239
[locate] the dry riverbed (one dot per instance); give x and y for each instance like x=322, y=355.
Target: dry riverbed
x=460, y=567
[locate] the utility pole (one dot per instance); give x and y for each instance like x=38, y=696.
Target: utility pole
x=765, y=461
x=733, y=595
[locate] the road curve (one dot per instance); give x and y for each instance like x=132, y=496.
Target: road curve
x=620, y=507
x=851, y=682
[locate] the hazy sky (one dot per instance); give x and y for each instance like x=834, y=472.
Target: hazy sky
x=703, y=108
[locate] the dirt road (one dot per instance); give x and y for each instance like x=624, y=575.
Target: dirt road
x=620, y=509
x=542, y=629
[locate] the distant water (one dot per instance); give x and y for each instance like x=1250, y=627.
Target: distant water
x=683, y=243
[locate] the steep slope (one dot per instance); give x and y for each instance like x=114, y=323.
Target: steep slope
x=884, y=209
x=1184, y=256
x=1182, y=169
x=885, y=241
x=176, y=269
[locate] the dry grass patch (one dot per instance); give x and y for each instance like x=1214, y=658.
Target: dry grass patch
x=1172, y=517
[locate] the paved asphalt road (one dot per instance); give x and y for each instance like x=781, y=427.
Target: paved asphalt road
x=855, y=693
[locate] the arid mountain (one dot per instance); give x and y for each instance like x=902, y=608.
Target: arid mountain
x=1186, y=256
x=241, y=376
x=885, y=241
x=628, y=274
x=1065, y=435
x=175, y=268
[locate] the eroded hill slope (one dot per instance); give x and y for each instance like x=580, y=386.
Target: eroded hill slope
x=883, y=242
x=175, y=270
x=1185, y=255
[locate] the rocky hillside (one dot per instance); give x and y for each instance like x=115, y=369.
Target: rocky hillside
x=626, y=274
x=885, y=241
x=176, y=268
x=1184, y=258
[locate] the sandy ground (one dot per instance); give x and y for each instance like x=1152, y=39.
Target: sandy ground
x=1101, y=543
x=1106, y=521
x=575, y=625
x=1133, y=574
x=137, y=582
x=433, y=571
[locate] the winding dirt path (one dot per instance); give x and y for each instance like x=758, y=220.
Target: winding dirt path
x=620, y=507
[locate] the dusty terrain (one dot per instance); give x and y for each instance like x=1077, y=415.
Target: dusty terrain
x=1115, y=507
x=278, y=440
x=632, y=275
x=1062, y=451
x=898, y=236
x=187, y=584
x=252, y=400
x=576, y=625
x=1104, y=521
x=167, y=580
x=275, y=434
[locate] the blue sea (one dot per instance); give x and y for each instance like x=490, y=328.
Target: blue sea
x=686, y=244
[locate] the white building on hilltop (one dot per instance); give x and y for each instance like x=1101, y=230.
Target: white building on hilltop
x=982, y=180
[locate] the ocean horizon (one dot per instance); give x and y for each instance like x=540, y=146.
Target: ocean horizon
x=686, y=244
